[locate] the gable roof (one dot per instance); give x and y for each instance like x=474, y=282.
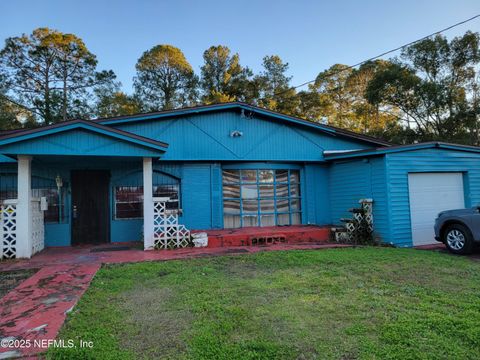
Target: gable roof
x=24, y=136
x=399, y=148
x=333, y=131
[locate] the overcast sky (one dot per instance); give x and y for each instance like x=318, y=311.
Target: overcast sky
x=309, y=35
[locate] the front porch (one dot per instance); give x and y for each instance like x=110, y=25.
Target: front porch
x=60, y=181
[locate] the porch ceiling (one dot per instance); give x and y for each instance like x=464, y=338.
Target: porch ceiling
x=80, y=138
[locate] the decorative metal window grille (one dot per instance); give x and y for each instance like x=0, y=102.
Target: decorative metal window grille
x=168, y=233
x=261, y=198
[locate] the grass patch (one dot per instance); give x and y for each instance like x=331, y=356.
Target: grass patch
x=359, y=303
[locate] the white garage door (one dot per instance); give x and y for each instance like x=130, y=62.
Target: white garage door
x=429, y=194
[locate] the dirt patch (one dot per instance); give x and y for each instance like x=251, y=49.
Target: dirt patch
x=11, y=279
x=158, y=322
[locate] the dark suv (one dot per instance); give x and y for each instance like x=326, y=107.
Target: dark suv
x=458, y=229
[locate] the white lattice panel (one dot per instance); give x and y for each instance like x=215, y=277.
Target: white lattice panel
x=38, y=229
x=168, y=233
x=8, y=231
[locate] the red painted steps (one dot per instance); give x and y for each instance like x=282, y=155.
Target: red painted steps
x=264, y=236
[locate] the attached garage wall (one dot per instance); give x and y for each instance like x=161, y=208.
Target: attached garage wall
x=353, y=180
x=427, y=160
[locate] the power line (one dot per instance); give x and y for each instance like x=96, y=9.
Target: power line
x=382, y=54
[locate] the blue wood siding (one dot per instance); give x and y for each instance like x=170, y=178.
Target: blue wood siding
x=216, y=196
x=200, y=147
x=78, y=142
x=207, y=137
x=350, y=181
x=196, y=196
x=316, y=198
x=427, y=160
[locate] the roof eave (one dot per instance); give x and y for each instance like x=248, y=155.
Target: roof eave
x=401, y=148
x=87, y=125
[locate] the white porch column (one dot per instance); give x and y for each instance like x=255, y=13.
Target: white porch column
x=147, y=204
x=24, y=215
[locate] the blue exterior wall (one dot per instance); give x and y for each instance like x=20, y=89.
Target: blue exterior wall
x=78, y=142
x=316, y=190
x=207, y=137
x=385, y=179
x=427, y=160
x=352, y=180
x=201, y=192
x=200, y=146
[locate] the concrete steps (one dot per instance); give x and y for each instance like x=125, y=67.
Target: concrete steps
x=265, y=236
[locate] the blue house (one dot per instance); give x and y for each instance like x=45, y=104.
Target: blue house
x=219, y=166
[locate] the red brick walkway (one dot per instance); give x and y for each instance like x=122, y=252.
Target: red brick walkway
x=35, y=310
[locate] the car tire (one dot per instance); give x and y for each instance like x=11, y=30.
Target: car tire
x=458, y=239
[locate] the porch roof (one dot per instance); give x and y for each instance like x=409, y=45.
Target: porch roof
x=79, y=138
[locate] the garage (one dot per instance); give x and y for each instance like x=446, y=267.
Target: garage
x=429, y=194
x=409, y=186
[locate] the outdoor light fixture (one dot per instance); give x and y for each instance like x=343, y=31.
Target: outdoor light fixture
x=59, y=182
x=236, y=133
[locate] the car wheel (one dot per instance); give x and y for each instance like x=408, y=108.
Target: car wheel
x=458, y=239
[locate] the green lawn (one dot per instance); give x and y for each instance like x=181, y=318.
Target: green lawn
x=364, y=303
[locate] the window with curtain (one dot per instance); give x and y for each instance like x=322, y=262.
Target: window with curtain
x=261, y=198
x=128, y=202
x=129, y=199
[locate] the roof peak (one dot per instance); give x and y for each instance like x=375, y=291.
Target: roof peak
x=218, y=107
x=243, y=105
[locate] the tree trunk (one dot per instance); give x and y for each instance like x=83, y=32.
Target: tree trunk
x=48, y=115
x=64, y=100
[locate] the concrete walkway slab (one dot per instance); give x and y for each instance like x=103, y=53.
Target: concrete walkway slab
x=35, y=310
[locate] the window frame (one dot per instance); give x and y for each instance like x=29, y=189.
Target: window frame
x=259, y=197
x=61, y=206
x=115, y=202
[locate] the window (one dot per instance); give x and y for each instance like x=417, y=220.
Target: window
x=170, y=191
x=8, y=194
x=129, y=199
x=8, y=186
x=128, y=202
x=42, y=187
x=261, y=198
x=56, y=204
